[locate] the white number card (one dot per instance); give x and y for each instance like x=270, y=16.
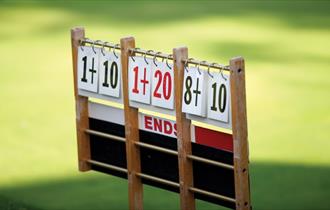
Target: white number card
x=110, y=74
x=194, y=92
x=218, y=97
x=88, y=65
x=139, y=79
x=162, y=85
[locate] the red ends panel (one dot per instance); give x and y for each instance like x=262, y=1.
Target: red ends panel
x=214, y=139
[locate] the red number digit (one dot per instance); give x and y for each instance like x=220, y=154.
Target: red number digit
x=167, y=82
x=158, y=74
x=136, y=72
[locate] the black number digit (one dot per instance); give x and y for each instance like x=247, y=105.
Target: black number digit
x=84, y=79
x=222, y=98
x=187, y=94
x=92, y=70
x=214, y=87
x=222, y=103
x=197, y=91
x=114, y=75
x=105, y=83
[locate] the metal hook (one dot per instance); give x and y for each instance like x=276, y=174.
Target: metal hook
x=199, y=71
x=169, y=55
x=81, y=44
x=102, y=49
x=208, y=71
x=154, y=59
x=214, y=64
x=145, y=55
x=132, y=51
x=223, y=76
x=186, y=63
x=94, y=44
x=114, y=52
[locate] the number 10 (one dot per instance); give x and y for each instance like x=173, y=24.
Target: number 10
x=113, y=74
x=222, y=98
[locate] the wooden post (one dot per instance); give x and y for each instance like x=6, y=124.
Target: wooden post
x=135, y=187
x=81, y=105
x=187, y=200
x=239, y=126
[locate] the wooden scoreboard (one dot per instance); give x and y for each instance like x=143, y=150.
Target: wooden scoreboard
x=165, y=120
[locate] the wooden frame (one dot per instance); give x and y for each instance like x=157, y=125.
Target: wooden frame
x=135, y=187
x=187, y=200
x=184, y=145
x=81, y=102
x=239, y=126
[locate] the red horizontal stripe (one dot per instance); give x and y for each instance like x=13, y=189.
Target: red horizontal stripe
x=214, y=139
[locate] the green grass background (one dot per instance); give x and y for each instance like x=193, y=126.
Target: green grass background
x=287, y=50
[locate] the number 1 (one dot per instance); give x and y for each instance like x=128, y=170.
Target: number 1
x=84, y=79
x=136, y=72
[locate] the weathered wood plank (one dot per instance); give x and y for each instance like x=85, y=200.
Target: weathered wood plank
x=135, y=187
x=187, y=200
x=240, y=135
x=81, y=105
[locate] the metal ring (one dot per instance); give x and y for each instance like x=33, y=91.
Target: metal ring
x=169, y=55
x=102, y=49
x=208, y=71
x=132, y=51
x=145, y=56
x=186, y=63
x=199, y=71
x=93, y=45
x=154, y=59
x=114, y=52
x=214, y=64
x=81, y=44
x=223, y=75
x=221, y=72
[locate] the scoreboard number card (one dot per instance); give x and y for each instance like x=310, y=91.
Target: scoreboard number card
x=218, y=97
x=194, y=91
x=88, y=65
x=162, y=85
x=139, y=79
x=110, y=74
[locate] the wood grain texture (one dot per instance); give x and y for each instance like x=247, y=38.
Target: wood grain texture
x=187, y=200
x=81, y=105
x=240, y=134
x=135, y=187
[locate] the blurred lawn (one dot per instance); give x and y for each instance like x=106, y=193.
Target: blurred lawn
x=286, y=47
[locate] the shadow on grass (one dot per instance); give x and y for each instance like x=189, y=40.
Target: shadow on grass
x=273, y=186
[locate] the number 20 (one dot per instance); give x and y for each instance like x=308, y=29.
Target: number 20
x=167, y=85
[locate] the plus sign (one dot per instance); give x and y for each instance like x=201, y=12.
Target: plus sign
x=92, y=70
x=144, y=81
x=196, y=91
